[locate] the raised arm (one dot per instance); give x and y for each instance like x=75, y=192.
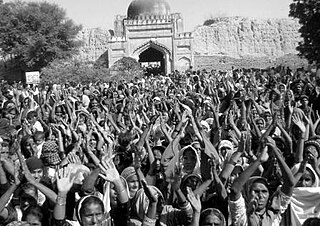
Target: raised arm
x=244, y=177
x=300, y=147
x=288, y=179
x=64, y=184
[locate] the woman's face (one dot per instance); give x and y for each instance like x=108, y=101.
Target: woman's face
x=94, y=103
x=268, y=117
x=37, y=174
x=45, y=115
x=211, y=220
x=4, y=150
x=82, y=119
x=289, y=95
x=133, y=184
x=254, y=113
x=281, y=89
x=193, y=183
x=29, y=144
x=157, y=156
x=58, y=113
x=92, y=215
x=306, y=180
x=189, y=160
x=93, y=142
x=260, y=193
x=28, y=198
x=260, y=124
x=26, y=102
x=33, y=220
x=311, y=151
x=11, y=114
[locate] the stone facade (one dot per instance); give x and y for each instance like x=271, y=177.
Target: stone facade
x=234, y=37
x=148, y=30
x=162, y=33
x=241, y=37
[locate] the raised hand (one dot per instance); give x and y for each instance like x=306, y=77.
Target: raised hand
x=176, y=179
x=290, y=107
x=72, y=157
x=153, y=119
x=153, y=198
x=194, y=200
x=271, y=142
x=263, y=156
x=243, y=142
x=299, y=123
x=64, y=179
x=17, y=174
x=231, y=118
x=109, y=171
x=137, y=159
x=184, y=117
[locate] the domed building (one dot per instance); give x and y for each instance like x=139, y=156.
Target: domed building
x=152, y=35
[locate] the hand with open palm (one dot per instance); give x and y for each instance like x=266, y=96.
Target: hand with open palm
x=194, y=200
x=64, y=180
x=299, y=123
x=109, y=171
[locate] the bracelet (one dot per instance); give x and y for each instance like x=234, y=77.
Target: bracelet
x=149, y=220
x=124, y=190
x=61, y=201
x=61, y=204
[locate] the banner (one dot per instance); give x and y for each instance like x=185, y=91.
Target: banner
x=33, y=77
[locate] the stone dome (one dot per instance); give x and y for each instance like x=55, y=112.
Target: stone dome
x=148, y=7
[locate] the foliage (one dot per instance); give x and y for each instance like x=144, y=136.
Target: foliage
x=32, y=34
x=308, y=13
x=72, y=70
x=126, y=68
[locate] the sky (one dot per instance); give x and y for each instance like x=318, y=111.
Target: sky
x=101, y=13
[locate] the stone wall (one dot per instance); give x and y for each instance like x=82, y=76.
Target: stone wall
x=94, y=43
x=241, y=37
x=234, y=37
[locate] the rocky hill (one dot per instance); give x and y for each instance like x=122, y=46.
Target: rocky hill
x=235, y=37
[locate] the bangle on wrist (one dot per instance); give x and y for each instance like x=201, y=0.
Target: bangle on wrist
x=61, y=201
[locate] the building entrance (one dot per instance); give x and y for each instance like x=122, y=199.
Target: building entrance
x=153, y=61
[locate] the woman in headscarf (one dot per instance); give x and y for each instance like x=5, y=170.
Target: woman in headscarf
x=90, y=209
x=212, y=216
x=209, y=216
x=306, y=195
x=260, y=208
x=189, y=160
x=166, y=215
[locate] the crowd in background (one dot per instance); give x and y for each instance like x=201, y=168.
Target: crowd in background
x=240, y=147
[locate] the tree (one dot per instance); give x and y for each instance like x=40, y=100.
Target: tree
x=72, y=70
x=126, y=68
x=33, y=34
x=308, y=13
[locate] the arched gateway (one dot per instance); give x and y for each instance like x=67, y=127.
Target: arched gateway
x=153, y=36
x=154, y=55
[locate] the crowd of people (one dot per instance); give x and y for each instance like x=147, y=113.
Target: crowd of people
x=198, y=148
